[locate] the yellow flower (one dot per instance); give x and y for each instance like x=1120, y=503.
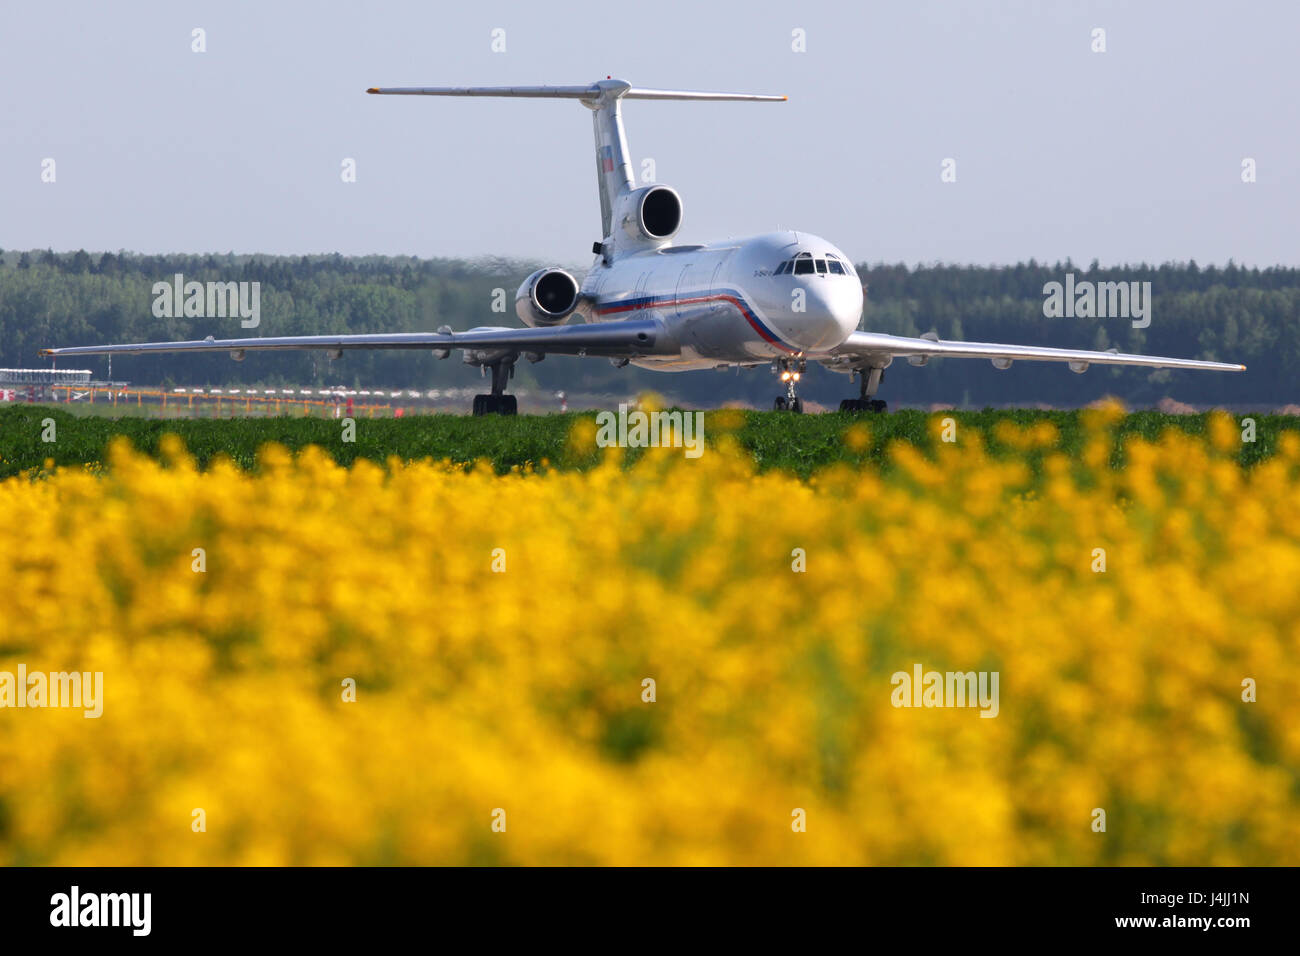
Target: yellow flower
x=857, y=438
x=664, y=663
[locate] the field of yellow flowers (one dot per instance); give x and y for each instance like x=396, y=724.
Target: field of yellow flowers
x=501, y=629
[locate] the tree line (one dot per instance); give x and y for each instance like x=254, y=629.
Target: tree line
x=1226, y=313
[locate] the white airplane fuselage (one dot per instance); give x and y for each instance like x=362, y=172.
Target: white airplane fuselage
x=723, y=303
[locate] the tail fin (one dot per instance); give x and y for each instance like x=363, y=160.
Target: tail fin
x=613, y=166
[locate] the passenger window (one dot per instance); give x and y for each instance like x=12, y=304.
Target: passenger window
x=821, y=267
x=803, y=267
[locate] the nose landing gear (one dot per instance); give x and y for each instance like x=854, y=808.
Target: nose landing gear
x=790, y=371
x=870, y=381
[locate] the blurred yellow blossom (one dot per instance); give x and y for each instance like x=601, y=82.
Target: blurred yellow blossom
x=523, y=688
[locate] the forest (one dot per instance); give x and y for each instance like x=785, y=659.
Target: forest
x=1226, y=313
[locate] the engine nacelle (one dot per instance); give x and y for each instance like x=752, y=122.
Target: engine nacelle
x=651, y=214
x=547, y=297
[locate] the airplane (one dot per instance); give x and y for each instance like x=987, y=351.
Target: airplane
x=783, y=298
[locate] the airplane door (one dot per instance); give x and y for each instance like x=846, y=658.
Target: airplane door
x=684, y=288
x=639, y=290
x=715, y=282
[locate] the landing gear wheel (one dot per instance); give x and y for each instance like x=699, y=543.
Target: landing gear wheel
x=797, y=406
x=496, y=405
x=779, y=404
x=863, y=405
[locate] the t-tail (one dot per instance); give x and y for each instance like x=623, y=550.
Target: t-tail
x=632, y=219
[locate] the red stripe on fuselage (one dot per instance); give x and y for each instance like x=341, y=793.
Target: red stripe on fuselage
x=654, y=302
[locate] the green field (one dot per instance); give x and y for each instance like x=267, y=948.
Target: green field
x=797, y=443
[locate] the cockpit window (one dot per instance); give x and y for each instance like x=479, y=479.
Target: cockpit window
x=804, y=264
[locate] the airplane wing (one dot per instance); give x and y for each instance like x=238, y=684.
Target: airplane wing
x=614, y=339
x=865, y=349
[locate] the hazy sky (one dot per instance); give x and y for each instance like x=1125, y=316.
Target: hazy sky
x=1132, y=154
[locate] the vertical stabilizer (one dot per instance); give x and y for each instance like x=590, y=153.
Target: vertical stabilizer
x=613, y=165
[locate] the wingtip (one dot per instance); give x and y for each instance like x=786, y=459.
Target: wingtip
x=373, y=89
x=45, y=353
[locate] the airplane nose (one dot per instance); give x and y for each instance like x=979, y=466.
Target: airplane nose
x=846, y=307
x=833, y=308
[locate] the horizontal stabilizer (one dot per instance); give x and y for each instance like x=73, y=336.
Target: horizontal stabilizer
x=567, y=93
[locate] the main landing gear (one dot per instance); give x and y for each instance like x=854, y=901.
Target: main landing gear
x=498, y=403
x=789, y=370
x=870, y=381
